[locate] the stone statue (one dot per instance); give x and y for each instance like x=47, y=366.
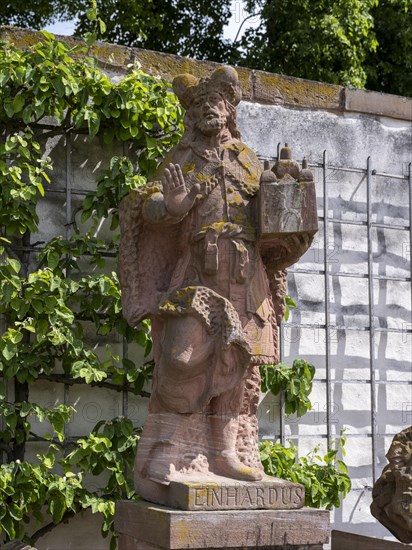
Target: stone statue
x=392, y=493
x=194, y=261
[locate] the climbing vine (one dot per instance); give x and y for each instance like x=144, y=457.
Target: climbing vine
x=324, y=476
x=47, y=301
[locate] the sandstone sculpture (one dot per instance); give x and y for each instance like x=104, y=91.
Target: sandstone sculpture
x=197, y=261
x=392, y=493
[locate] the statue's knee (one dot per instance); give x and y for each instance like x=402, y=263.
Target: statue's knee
x=185, y=343
x=179, y=358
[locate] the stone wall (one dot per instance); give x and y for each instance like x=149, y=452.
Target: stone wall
x=365, y=200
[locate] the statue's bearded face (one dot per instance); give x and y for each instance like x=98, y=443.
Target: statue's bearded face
x=210, y=113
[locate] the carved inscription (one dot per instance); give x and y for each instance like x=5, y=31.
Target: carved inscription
x=245, y=496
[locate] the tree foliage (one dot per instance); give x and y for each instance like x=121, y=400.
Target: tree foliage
x=352, y=42
x=389, y=67
x=35, y=14
x=185, y=27
x=326, y=41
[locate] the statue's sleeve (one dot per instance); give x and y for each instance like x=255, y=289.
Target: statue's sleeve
x=276, y=259
x=129, y=273
x=147, y=257
x=278, y=283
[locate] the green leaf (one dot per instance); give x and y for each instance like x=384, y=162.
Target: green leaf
x=8, y=107
x=15, y=336
x=290, y=302
x=9, y=351
x=57, y=506
x=102, y=26
x=37, y=306
x=90, y=38
x=49, y=461
x=2, y=390
x=91, y=14
x=42, y=326
x=8, y=526
x=93, y=123
x=57, y=422
x=69, y=496
x=47, y=35
x=18, y=103
x=15, y=264
x=53, y=259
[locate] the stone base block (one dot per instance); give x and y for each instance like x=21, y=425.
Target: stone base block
x=146, y=526
x=345, y=541
x=220, y=493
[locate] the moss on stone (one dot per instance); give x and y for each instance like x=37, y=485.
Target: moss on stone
x=296, y=91
x=257, y=86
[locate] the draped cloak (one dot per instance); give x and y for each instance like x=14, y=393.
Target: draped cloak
x=206, y=264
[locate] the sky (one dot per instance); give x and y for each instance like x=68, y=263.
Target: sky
x=238, y=15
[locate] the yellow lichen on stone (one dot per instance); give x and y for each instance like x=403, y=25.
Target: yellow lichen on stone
x=188, y=167
x=236, y=201
x=296, y=91
x=111, y=54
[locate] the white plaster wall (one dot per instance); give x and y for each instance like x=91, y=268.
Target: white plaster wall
x=349, y=140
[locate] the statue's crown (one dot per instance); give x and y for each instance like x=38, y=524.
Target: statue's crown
x=223, y=80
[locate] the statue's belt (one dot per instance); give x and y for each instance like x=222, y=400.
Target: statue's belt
x=210, y=236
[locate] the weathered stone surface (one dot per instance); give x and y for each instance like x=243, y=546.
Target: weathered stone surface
x=225, y=494
x=169, y=66
x=261, y=529
x=257, y=86
x=274, y=88
x=367, y=101
x=351, y=541
x=287, y=207
x=392, y=493
x=129, y=543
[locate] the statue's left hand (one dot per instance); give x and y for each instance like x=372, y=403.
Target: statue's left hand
x=178, y=200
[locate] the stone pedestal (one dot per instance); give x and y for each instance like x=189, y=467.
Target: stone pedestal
x=220, y=493
x=146, y=526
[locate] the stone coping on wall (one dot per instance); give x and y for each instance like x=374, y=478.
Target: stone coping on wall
x=258, y=86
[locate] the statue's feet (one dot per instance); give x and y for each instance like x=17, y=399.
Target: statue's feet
x=160, y=472
x=232, y=467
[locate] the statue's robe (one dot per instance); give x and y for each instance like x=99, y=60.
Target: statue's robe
x=206, y=268
x=209, y=257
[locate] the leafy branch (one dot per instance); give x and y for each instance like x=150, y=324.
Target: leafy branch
x=50, y=305
x=295, y=382
x=325, y=478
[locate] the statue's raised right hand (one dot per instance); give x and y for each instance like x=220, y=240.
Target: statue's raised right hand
x=178, y=200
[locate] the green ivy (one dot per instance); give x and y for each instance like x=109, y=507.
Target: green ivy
x=53, y=80
x=325, y=478
x=34, y=490
x=295, y=382
x=53, y=89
